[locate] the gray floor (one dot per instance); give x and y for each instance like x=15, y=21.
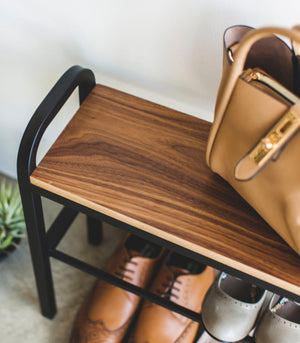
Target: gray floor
x=20, y=318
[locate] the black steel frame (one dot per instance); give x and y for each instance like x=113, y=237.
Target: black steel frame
x=43, y=244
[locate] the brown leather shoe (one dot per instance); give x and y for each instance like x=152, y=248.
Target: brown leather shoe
x=107, y=312
x=184, y=282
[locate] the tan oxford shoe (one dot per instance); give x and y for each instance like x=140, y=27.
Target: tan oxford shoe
x=107, y=312
x=184, y=282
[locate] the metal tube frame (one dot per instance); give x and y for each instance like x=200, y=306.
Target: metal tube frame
x=43, y=244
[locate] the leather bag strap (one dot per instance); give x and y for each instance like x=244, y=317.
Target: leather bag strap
x=253, y=36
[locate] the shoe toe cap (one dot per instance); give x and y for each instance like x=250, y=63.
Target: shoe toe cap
x=274, y=329
x=225, y=318
x=159, y=325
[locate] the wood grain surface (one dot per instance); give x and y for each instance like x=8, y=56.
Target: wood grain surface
x=144, y=164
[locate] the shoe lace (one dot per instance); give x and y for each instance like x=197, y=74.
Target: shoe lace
x=170, y=285
x=123, y=270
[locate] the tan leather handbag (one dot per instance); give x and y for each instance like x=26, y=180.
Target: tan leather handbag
x=254, y=141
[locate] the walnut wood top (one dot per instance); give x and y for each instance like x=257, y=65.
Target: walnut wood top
x=144, y=164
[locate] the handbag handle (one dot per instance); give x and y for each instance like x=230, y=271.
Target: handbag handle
x=232, y=72
x=255, y=35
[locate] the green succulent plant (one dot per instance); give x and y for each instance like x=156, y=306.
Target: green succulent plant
x=12, y=224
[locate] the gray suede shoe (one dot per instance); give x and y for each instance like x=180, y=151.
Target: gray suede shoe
x=280, y=322
x=231, y=307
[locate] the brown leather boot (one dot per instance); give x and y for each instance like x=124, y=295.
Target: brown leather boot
x=108, y=311
x=184, y=282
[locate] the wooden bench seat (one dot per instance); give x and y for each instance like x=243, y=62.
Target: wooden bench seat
x=144, y=164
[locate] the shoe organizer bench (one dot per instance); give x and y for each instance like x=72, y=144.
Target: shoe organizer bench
x=141, y=167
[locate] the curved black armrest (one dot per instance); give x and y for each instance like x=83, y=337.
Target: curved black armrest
x=45, y=113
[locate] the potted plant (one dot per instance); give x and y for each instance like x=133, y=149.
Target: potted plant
x=12, y=224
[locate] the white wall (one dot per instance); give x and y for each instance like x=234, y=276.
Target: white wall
x=168, y=51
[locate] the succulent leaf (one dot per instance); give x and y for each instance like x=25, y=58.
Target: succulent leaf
x=12, y=224
x=6, y=242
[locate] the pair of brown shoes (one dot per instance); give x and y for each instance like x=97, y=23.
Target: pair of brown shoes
x=108, y=312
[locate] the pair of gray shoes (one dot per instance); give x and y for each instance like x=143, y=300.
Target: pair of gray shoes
x=232, y=308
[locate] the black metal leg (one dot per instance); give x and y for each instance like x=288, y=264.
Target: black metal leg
x=34, y=218
x=200, y=331
x=26, y=163
x=94, y=228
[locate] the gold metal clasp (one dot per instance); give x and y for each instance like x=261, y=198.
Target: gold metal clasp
x=281, y=132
